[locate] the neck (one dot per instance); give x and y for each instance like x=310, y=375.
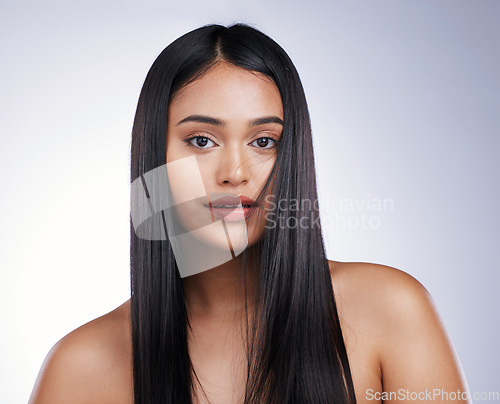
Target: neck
x=220, y=291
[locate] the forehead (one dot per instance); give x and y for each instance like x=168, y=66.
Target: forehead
x=229, y=92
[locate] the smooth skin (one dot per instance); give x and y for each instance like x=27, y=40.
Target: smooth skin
x=394, y=338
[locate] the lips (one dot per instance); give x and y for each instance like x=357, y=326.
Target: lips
x=232, y=207
x=233, y=201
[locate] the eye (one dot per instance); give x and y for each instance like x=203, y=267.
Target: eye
x=199, y=142
x=265, y=143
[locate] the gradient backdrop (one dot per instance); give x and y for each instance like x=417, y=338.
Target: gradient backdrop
x=405, y=107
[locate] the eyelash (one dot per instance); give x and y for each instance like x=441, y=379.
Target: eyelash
x=189, y=144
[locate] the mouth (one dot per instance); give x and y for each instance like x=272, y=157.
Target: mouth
x=232, y=207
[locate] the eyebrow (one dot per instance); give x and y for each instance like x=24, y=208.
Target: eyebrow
x=218, y=122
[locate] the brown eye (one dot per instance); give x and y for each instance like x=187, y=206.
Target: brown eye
x=199, y=142
x=265, y=143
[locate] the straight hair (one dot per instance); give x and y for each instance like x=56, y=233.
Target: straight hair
x=296, y=352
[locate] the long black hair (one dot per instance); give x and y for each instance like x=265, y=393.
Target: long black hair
x=297, y=352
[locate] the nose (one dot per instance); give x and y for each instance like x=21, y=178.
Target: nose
x=233, y=168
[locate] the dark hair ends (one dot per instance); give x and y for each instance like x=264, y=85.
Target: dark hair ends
x=296, y=353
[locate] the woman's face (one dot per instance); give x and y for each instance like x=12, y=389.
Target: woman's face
x=230, y=120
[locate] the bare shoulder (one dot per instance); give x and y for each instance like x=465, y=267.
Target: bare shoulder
x=381, y=301
x=380, y=286
x=90, y=364
x=393, y=314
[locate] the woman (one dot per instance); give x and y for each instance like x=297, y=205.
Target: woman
x=230, y=304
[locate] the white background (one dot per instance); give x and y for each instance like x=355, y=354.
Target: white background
x=404, y=100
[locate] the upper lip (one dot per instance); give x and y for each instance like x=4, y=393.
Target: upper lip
x=232, y=200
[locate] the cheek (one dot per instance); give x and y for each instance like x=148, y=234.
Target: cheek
x=175, y=151
x=262, y=170
x=207, y=172
x=185, y=180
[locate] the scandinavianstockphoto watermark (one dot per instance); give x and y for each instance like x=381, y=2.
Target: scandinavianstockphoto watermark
x=430, y=395
x=170, y=202
x=364, y=213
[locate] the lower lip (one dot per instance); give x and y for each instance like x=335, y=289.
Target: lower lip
x=232, y=215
